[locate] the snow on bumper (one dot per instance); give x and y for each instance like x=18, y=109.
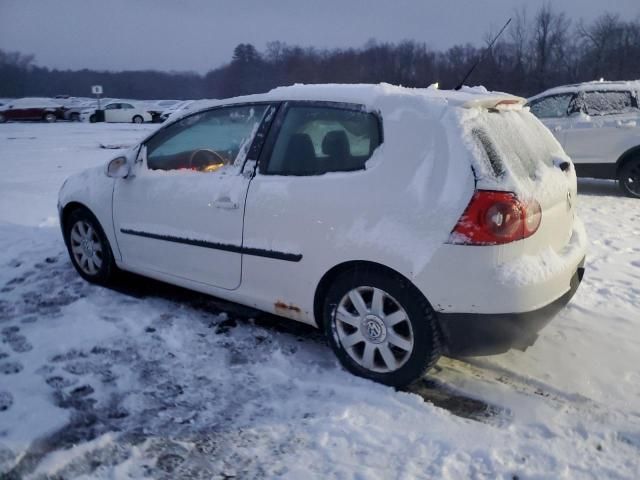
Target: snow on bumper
x=502, y=279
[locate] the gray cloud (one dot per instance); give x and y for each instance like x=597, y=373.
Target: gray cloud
x=200, y=34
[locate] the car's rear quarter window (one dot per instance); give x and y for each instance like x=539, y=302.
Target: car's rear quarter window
x=318, y=139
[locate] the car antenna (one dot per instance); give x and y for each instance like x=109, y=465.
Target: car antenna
x=482, y=56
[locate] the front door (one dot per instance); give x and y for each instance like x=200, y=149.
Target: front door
x=553, y=111
x=180, y=213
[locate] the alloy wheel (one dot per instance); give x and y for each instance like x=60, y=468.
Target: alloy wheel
x=86, y=247
x=374, y=329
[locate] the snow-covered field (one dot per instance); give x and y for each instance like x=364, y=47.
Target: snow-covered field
x=151, y=381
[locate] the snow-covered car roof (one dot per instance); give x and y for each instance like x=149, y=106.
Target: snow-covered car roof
x=372, y=96
x=36, y=102
x=589, y=86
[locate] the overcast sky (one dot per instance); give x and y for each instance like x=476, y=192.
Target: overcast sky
x=201, y=34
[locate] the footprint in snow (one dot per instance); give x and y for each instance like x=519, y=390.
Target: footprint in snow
x=59, y=383
x=6, y=400
x=16, y=341
x=10, y=368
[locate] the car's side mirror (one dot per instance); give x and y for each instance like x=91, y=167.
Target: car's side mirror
x=118, y=168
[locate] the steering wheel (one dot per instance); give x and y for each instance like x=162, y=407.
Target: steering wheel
x=207, y=157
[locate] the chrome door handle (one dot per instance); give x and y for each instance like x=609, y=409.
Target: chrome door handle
x=226, y=203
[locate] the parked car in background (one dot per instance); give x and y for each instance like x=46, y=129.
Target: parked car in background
x=393, y=219
x=157, y=107
x=598, y=125
x=74, y=111
x=125, y=112
x=32, y=109
x=177, y=108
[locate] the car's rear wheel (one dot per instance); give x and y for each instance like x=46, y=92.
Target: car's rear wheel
x=629, y=178
x=50, y=117
x=138, y=119
x=93, y=119
x=2, y=118
x=381, y=327
x=75, y=117
x=88, y=247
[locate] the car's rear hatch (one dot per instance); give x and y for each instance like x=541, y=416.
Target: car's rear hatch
x=514, y=152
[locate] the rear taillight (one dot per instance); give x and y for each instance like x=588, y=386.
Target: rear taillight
x=494, y=218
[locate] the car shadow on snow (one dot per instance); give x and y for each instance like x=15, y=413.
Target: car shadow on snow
x=594, y=186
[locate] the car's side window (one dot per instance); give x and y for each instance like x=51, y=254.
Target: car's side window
x=553, y=106
x=206, y=141
x=111, y=106
x=127, y=105
x=316, y=139
x=609, y=102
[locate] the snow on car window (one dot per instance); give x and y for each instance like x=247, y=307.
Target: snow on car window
x=609, y=103
x=515, y=141
x=553, y=106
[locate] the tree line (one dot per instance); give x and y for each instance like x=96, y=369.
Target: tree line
x=537, y=51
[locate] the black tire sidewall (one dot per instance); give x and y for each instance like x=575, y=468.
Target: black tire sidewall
x=623, y=177
x=3, y=118
x=92, y=119
x=107, y=269
x=421, y=316
x=138, y=116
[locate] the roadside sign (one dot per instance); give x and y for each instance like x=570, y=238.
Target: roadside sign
x=96, y=89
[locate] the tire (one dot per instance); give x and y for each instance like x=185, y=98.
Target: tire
x=92, y=119
x=138, y=119
x=50, y=117
x=75, y=117
x=99, y=267
x=629, y=178
x=413, y=342
x=2, y=118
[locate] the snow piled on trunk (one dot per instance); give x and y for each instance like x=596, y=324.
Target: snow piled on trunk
x=152, y=381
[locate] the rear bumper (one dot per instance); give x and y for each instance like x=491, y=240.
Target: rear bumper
x=475, y=334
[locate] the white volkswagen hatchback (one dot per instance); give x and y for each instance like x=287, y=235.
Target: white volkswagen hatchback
x=405, y=223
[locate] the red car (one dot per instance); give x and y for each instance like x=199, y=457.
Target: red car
x=39, y=109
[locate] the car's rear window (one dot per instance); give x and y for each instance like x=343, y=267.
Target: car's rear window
x=514, y=140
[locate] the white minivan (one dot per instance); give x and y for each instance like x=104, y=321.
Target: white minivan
x=598, y=125
x=405, y=223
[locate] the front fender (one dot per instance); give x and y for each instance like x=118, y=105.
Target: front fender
x=93, y=189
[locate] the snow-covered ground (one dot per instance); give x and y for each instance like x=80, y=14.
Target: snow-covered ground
x=151, y=381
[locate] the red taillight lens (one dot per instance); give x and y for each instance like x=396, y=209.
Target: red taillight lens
x=494, y=218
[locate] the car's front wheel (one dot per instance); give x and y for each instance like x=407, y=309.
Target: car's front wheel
x=50, y=117
x=75, y=117
x=381, y=327
x=93, y=119
x=2, y=118
x=88, y=247
x=629, y=178
x=138, y=119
